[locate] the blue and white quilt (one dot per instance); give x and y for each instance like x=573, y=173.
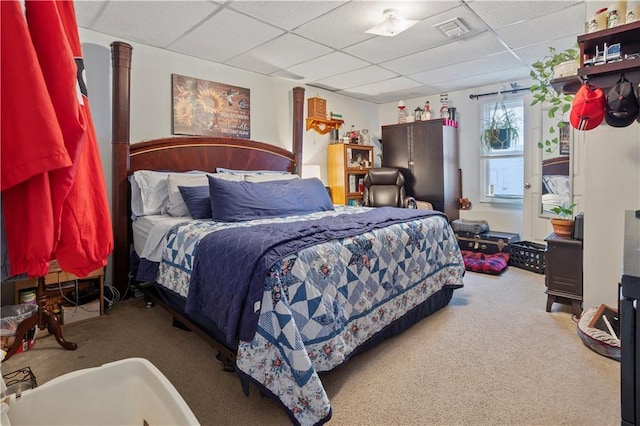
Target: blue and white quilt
x=323, y=301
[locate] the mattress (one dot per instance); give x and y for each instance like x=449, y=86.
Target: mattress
x=149, y=230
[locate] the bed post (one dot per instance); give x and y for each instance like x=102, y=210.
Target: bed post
x=298, y=129
x=121, y=67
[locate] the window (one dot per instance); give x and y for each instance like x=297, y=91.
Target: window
x=502, y=160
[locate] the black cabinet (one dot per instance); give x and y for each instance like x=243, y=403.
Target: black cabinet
x=564, y=272
x=427, y=154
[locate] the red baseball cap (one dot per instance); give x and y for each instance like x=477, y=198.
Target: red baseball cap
x=588, y=107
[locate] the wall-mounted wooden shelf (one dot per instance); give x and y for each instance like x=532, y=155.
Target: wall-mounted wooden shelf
x=604, y=75
x=322, y=125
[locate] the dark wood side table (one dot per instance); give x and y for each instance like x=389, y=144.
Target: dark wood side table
x=45, y=318
x=563, y=274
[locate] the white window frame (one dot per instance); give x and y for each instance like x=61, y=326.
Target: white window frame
x=517, y=151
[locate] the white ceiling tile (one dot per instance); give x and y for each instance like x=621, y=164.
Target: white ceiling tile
x=285, y=14
x=328, y=65
x=87, y=11
x=499, y=77
x=225, y=35
x=537, y=52
x=385, y=86
x=336, y=28
x=166, y=20
x=461, y=50
x=500, y=13
x=566, y=22
x=357, y=78
x=324, y=44
x=483, y=65
x=282, y=52
x=412, y=93
x=417, y=38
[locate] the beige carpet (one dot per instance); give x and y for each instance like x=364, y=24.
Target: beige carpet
x=492, y=357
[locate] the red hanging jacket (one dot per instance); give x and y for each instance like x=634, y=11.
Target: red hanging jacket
x=84, y=238
x=32, y=146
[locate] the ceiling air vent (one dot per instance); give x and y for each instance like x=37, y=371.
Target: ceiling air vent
x=452, y=27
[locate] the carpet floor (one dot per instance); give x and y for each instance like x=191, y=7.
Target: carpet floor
x=493, y=356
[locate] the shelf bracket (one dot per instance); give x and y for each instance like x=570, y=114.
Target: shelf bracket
x=323, y=126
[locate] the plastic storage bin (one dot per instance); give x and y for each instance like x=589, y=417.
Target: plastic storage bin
x=10, y=318
x=528, y=255
x=127, y=392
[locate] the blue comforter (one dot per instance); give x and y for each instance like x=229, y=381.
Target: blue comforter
x=321, y=304
x=242, y=257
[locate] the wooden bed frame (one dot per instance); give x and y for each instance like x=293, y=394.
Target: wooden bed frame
x=178, y=154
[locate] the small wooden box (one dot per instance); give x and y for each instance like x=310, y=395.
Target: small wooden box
x=317, y=108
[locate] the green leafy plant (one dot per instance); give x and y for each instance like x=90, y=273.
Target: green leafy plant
x=564, y=212
x=543, y=92
x=500, y=129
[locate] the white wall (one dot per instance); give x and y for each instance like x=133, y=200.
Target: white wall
x=612, y=185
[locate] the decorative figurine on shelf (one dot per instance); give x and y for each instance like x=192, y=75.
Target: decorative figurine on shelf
x=402, y=112
x=444, y=109
x=417, y=114
x=364, y=137
x=354, y=135
x=426, y=115
x=614, y=19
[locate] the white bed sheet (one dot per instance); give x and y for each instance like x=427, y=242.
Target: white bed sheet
x=149, y=232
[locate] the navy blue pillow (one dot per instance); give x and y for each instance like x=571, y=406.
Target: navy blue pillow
x=198, y=201
x=239, y=201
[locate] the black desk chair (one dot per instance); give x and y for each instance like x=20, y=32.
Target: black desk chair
x=384, y=186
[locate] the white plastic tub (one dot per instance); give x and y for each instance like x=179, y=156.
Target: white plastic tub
x=127, y=392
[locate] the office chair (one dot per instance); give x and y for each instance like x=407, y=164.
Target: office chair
x=384, y=186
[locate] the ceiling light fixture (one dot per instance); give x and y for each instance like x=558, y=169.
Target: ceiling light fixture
x=392, y=25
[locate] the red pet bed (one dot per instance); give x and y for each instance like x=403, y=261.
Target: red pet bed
x=492, y=264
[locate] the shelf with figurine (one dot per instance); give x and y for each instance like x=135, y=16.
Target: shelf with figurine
x=605, y=54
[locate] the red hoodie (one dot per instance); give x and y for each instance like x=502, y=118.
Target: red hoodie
x=57, y=209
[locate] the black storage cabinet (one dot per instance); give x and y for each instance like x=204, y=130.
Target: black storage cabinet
x=427, y=154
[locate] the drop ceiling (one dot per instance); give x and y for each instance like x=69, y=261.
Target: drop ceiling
x=324, y=44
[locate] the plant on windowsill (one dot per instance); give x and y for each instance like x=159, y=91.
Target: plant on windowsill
x=501, y=129
x=563, y=224
x=543, y=92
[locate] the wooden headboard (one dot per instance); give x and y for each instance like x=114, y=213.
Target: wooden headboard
x=179, y=154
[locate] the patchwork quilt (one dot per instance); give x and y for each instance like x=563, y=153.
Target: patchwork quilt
x=322, y=302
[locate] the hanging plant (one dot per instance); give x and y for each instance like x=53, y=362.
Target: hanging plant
x=543, y=92
x=501, y=129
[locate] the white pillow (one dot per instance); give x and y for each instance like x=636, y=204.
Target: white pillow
x=557, y=184
x=269, y=178
x=176, y=205
x=249, y=172
x=148, y=192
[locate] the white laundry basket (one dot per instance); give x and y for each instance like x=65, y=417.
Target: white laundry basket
x=127, y=392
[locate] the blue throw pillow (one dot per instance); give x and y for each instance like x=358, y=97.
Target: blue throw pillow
x=240, y=201
x=198, y=201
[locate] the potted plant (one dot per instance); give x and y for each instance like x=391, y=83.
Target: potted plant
x=563, y=224
x=500, y=129
x=543, y=92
